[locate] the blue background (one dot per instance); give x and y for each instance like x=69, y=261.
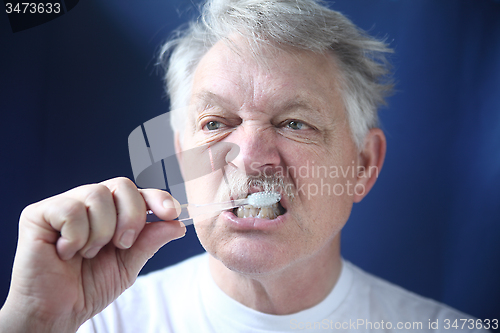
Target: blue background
x=73, y=89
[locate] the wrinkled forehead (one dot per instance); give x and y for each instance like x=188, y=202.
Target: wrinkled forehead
x=267, y=53
x=235, y=66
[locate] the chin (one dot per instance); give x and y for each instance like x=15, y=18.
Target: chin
x=242, y=261
x=250, y=254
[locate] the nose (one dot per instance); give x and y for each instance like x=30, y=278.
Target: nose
x=259, y=153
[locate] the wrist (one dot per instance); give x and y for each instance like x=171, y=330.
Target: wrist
x=15, y=321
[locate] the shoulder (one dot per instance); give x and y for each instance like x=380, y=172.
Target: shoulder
x=386, y=301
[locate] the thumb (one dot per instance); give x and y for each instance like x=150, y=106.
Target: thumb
x=152, y=237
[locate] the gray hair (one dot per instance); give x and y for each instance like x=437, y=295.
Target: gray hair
x=303, y=24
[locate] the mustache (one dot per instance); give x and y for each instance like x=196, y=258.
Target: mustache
x=237, y=185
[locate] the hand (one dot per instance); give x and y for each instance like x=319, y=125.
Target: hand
x=78, y=251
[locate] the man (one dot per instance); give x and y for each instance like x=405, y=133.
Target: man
x=295, y=87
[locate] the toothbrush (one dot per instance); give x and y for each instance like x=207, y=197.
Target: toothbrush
x=258, y=199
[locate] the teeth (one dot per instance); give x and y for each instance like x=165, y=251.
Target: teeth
x=269, y=212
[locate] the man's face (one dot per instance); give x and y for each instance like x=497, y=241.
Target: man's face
x=285, y=113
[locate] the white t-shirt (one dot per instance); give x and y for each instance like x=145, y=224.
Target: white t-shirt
x=185, y=298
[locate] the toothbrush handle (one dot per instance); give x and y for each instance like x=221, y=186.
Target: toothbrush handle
x=189, y=211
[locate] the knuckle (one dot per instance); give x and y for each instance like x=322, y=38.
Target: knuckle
x=28, y=210
x=98, y=192
x=123, y=179
x=124, y=182
x=120, y=184
x=27, y=214
x=72, y=210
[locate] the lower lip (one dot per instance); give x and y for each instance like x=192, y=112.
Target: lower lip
x=252, y=223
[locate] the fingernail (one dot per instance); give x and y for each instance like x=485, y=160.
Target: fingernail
x=92, y=252
x=172, y=204
x=127, y=239
x=184, y=231
x=168, y=204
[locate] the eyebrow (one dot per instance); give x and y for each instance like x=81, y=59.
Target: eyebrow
x=205, y=98
x=299, y=103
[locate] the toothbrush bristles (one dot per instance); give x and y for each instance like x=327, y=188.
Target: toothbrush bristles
x=263, y=199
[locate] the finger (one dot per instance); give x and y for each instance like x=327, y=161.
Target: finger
x=60, y=220
x=130, y=211
x=151, y=239
x=161, y=203
x=101, y=214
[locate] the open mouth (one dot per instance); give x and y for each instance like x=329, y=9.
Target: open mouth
x=267, y=212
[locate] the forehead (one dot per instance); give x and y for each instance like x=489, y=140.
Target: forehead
x=235, y=71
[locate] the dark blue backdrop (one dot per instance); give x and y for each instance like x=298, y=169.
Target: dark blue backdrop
x=73, y=89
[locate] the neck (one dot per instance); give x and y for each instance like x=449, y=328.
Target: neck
x=299, y=286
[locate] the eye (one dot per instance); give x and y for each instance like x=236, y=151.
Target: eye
x=213, y=125
x=296, y=125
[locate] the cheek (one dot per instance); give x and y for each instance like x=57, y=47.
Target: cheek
x=325, y=189
x=323, y=180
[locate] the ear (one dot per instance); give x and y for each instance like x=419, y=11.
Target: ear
x=370, y=161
